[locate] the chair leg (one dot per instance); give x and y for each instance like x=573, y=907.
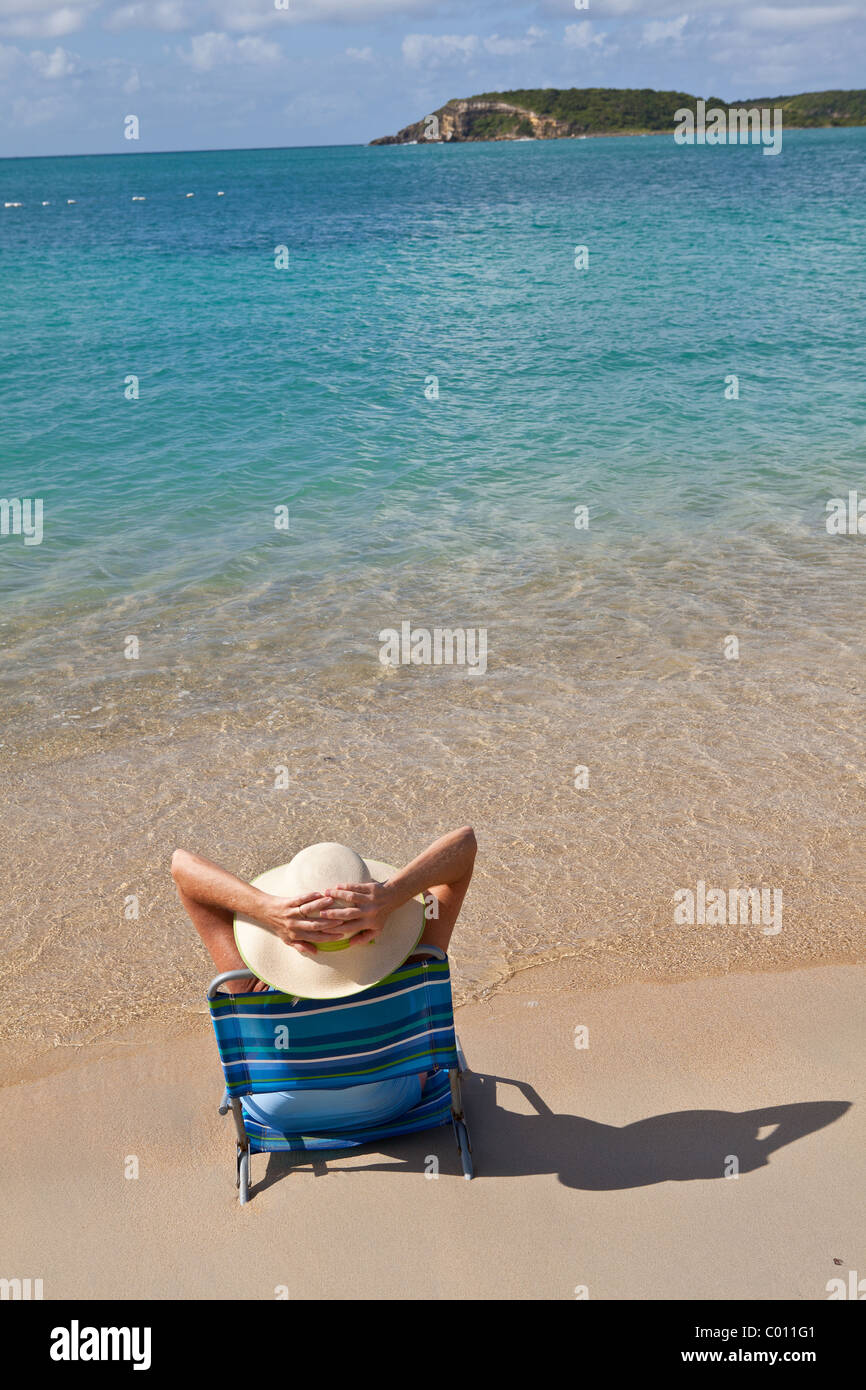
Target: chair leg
x=243, y=1151
x=225, y=1104
x=243, y=1182
x=461, y=1058
x=464, y=1148
x=458, y=1120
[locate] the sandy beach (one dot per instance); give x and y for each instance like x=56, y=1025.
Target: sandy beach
x=593, y=402
x=600, y=1169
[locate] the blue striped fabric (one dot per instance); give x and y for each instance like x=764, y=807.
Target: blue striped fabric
x=404, y=1025
x=434, y=1108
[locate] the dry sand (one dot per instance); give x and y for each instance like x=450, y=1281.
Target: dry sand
x=599, y=1167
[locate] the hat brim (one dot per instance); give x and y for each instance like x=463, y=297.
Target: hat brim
x=328, y=974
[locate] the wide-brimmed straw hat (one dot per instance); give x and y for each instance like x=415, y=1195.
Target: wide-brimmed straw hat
x=338, y=968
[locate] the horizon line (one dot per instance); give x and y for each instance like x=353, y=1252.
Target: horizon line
x=370, y=144
x=216, y=149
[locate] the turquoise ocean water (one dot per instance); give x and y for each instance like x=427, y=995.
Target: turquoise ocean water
x=304, y=387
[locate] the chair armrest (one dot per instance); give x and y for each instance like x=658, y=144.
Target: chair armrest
x=214, y=986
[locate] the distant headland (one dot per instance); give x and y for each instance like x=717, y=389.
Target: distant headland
x=551, y=113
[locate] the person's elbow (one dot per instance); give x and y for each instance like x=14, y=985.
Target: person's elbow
x=178, y=862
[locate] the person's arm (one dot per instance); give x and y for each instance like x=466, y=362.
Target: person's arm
x=295, y=920
x=448, y=860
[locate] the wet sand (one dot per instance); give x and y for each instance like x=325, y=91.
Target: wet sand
x=736, y=774
x=229, y=739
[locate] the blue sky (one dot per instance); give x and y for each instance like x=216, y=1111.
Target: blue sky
x=206, y=74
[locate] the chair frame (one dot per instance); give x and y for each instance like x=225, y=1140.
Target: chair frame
x=233, y=1103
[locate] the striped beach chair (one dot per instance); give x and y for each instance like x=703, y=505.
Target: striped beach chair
x=274, y=1042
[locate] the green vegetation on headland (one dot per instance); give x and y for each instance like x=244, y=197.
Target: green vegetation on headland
x=550, y=113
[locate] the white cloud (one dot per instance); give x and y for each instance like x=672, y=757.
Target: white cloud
x=256, y=14
x=360, y=55
x=773, y=17
x=41, y=19
x=244, y=15
x=583, y=35
x=505, y=46
x=665, y=30
x=799, y=14
x=434, y=49
x=208, y=51
x=250, y=50
x=618, y=7
x=60, y=63
x=169, y=15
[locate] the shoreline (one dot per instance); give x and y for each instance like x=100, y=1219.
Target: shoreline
x=602, y=964
x=589, y=135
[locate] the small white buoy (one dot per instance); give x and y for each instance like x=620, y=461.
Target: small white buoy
x=190, y=195
x=12, y=205
x=69, y=200
x=221, y=194
x=138, y=198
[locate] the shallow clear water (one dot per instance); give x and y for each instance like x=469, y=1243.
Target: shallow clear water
x=305, y=387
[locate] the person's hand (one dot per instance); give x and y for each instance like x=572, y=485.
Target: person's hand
x=364, y=909
x=297, y=921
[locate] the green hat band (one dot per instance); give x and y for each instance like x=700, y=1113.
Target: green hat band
x=336, y=945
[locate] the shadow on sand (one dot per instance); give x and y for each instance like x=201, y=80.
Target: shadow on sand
x=678, y=1147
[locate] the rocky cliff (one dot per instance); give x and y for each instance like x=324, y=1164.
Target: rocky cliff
x=478, y=119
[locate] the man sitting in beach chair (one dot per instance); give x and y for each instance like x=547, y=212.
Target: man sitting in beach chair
x=326, y=926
